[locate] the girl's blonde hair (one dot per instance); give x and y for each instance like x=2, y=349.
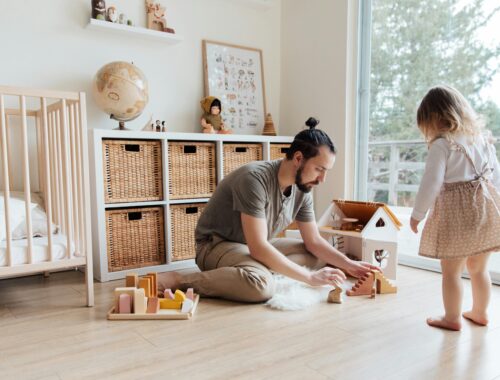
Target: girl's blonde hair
x=444, y=112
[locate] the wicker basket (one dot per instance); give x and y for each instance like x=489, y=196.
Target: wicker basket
x=135, y=238
x=236, y=155
x=132, y=171
x=278, y=151
x=184, y=218
x=191, y=168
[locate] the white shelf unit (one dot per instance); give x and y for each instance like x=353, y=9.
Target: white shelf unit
x=99, y=206
x=134, y=31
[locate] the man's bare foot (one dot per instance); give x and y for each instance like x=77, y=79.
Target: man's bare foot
x=442, y=323
x=477, y=318
x=168, y=280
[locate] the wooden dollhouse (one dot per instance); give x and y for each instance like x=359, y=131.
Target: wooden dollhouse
x=365, y=231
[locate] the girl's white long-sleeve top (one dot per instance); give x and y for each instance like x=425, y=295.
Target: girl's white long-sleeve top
x=446, y=164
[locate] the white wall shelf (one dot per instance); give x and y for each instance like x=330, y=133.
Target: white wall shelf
x=134, y=31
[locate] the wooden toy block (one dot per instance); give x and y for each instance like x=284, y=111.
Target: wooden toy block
x=132, y=280
x=140, y=301
x=154, y=278
x=145, y=283
x=383, y=285
x=154, y=292
x=166, y=303
x=187, y=305
x=153, y=305
x=363, y=287
x=335, y=296
x=124, y=304
x=179, y=296
x=190, y=294
x=118, y=291
x=168, y=294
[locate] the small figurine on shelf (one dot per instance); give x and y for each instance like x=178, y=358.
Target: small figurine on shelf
x=122, y=19
x=163, y=127
x=156, y=17
x=99, y=9
x=269, y=126
x=130, y=22
x=158, y=126
x=211, y=121
x=112, y=15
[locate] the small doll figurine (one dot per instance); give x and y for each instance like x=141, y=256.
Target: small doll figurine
x=99, y=9
x=211, y=121
x=122, y=19
x=112, y=14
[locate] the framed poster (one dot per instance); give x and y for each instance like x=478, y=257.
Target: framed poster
x=235, y=75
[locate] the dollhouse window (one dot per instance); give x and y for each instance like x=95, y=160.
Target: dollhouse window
x=380, y=223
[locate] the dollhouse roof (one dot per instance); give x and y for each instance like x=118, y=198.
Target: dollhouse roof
x=364, y=211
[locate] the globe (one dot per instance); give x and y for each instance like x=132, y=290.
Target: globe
x=121, y=90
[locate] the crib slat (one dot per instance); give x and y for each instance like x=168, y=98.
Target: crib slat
x=57, y=154
x=5, y=169
x=50, y=130
x=86, y=200
x=26, y=172
x=66, y=175
x=81, y=211
x=75, y=189
x=47, y=179
x=39, y=152
x=9, y=152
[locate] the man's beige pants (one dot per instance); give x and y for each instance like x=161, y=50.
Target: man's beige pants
x=228, y=271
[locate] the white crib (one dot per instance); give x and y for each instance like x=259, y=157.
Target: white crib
x=49, y=157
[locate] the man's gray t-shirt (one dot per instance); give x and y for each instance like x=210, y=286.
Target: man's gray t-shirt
x=254, y=190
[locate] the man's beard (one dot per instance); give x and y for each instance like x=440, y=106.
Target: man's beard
x=305, y=188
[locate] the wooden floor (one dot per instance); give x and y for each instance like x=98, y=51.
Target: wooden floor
x=46, y=333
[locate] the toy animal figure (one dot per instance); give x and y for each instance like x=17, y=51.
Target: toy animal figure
x=211, y=121
x=156, y=17
x=99, y=9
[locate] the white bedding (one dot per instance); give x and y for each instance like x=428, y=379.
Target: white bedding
x=40, y=250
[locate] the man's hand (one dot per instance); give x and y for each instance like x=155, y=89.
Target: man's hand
x=414, y=224
x=360, y=268
x=326, y=276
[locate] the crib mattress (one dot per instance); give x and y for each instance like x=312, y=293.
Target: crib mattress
x=40, y=250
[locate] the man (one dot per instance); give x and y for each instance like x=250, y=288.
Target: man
x=236, y=249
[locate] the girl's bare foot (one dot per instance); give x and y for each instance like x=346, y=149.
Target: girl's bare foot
x=443, y=323
x=477, y=318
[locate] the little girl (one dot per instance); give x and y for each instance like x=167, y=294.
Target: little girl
x=461, y=183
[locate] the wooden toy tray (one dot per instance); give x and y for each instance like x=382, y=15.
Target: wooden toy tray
x=162, y=314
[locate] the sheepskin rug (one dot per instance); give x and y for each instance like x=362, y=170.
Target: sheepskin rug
x=294, y=295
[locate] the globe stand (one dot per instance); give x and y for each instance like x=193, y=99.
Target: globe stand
x=121, y=127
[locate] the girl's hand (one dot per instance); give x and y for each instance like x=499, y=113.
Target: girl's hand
x=414, y=224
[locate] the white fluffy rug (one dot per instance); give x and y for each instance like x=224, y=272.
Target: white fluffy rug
x=294, y=295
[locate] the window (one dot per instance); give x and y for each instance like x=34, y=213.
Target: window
x=406, y=47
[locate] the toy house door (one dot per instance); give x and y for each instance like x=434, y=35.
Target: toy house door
x=383, y=254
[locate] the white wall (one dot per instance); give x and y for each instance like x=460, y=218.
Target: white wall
x=46, y=44
x=315, y=81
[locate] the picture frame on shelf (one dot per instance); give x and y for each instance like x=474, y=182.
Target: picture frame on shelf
x=235, y=75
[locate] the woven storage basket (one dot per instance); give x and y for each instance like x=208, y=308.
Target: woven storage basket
x=236, y=155
x=132, y=171
x=278, y=151
x=135, y=238
x=191, y=169
x=184, y=218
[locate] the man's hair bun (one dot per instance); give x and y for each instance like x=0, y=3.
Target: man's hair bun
x=312, y=122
